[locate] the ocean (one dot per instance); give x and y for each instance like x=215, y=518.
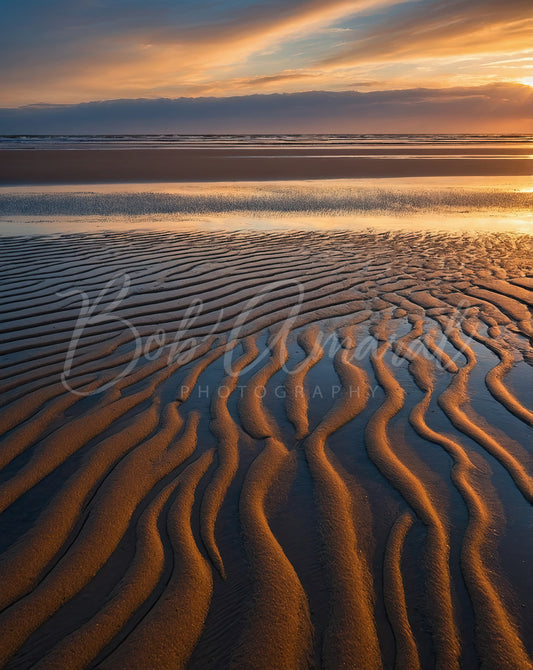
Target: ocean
x=327, y=140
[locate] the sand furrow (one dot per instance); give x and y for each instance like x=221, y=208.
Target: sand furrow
x=166, y=636
x=350, y=639
x=213, y=290
x=433, y=347
x=494, y=377
x=394, y=593
x=41, y=375
x=110, y=514
x=381, y=452
x=486, y=601
x=36, y=548
x=77, y=650
x=255, y=418
x=278, y=294
x=517, y=311
x=278, y=630
x=71, y=436
x=232, y=339
x=454, y=402
x=498, y=642
x=28, y=419
x=212, y=302
x=296, y=404
x=163, y=290
x=226, y=431
x=180, y=264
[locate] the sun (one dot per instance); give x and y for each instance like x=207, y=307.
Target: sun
x=526, y=80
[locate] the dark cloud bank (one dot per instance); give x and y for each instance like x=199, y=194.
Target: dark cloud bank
x=494, y=108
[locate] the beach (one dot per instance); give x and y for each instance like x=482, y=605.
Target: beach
x=45, y=166
x=278, y=423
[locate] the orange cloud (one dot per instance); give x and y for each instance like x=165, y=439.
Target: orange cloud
x=445, y=30
x=249, y=50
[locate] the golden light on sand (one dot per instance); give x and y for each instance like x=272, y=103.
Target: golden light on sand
x=245, y=469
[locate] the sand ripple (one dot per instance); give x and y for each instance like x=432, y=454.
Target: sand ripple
x=266, y=450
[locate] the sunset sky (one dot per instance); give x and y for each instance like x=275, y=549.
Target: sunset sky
x=73, y=51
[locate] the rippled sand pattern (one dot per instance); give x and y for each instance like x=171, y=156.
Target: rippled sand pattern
x=262, y=450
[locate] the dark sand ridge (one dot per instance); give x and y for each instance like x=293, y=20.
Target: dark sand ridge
x=490, y=613
x=351, y=640
x=278, y=630
x=150, y=476
x=46, y=166
x=401, y=476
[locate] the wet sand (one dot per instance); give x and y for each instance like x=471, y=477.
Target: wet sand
x=45, y=166
x=267, y=449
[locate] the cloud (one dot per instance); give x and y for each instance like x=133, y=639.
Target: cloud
x=492, y=108
x=276, y=78
x=97, y=49
x=68, y=51
x=442, y=29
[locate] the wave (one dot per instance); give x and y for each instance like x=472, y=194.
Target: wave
x=169, y=140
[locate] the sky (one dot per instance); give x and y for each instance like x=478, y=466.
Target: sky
x=67, y=52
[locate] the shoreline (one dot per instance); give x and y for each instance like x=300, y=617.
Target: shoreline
x=77, y=166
